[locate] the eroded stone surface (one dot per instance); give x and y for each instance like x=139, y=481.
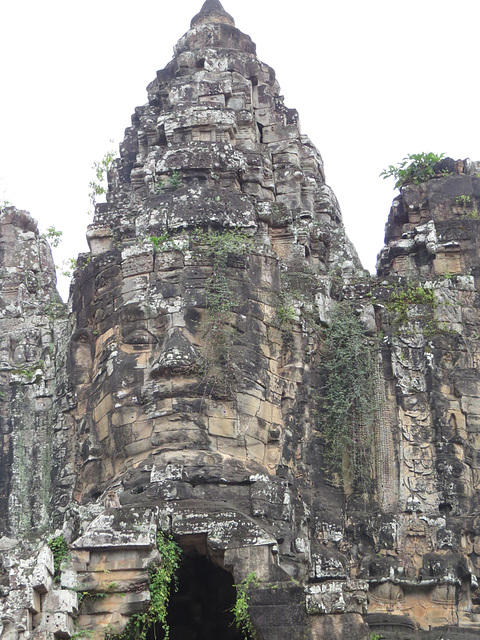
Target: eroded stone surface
x=182, y=392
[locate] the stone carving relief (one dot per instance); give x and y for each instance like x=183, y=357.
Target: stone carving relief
x=182, y=393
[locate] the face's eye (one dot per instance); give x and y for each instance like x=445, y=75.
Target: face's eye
x=139, y=337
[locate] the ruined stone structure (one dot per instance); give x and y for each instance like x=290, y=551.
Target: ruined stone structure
x=184, y=389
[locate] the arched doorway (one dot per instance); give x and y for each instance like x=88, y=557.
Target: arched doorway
x=200, y=608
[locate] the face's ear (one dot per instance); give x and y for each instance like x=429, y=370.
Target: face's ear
x=82, y=350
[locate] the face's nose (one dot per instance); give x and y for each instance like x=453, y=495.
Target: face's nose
x=178, y=356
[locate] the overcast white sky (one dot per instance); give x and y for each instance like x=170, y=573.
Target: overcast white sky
x=373, y=80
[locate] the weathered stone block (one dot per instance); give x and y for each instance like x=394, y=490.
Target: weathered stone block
x=41, y=578
x=38, y=634
x=125, y=527
x=100, y=239
x=60, y=624
x=337, y=597
x=123, y=604
x=223, y=427
x=61, y=600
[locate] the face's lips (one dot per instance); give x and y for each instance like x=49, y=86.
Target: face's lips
x=173, y=366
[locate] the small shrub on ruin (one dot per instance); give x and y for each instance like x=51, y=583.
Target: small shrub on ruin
x=416, y=168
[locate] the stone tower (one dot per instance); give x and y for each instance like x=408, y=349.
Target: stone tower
x=227, y=376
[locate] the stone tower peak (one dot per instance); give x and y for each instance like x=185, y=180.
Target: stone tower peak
x=212, y=11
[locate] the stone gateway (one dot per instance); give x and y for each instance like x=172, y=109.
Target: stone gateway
x=229, y=397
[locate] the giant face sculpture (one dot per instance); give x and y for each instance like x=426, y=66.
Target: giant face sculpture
x=216, y=232
x=191, y=362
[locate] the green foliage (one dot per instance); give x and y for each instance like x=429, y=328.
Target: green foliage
x=68, y=267
x=219, y=246
x=472, y=215
x=30, y=372
x=375, y=636
x=159, y=241
x=59, y=548
x=285, y=319
x=174, y=180
x=89, y=595
x=348, y=403
x=401, y=301
x=98, y=186
x=82, y=633
x=55, y=309
x=469, y=206
x=285, y=315
x=416, y=168
x=240, y=609
x=53, y=236
x=161, y=579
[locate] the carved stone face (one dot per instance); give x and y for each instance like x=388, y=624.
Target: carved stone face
x=175, y=375
x=198, y=352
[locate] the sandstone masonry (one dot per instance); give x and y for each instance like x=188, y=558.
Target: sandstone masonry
x=185, y=387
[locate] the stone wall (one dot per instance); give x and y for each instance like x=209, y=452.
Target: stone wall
x=185, y=388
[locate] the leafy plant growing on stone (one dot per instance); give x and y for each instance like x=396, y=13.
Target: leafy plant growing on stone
x=285, y=319
x=416, y=168
x=159, y=241
x=68, y=267
x=59, y=548
x=241, y=608
x=463, y=200
x=98, y=186
x=348, y=402
x=53, y=235
x=175, y=181
x=31, y=372
x=401, y=302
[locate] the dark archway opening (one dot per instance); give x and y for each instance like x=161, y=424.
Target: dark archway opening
x=201, y=607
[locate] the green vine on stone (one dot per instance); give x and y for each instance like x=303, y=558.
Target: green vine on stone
x=219, y=246
x=161, y=578
x=348, y=406
x=59, y=548
x=241, y=608
x=217, y=331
